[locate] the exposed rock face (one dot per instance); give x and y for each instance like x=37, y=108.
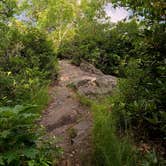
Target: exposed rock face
x=87, y=67
x=96, y=83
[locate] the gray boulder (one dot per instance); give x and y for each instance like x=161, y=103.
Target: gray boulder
x=94, y=82
x=87, y=67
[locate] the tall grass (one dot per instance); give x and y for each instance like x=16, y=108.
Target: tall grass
x=110, y=149
x=39, y=97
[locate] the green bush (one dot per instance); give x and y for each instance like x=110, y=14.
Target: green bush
x=6, y=88
x=29, y=49
x=138, y=103
x=22, y=141
x=20, y=88
x=28, y=63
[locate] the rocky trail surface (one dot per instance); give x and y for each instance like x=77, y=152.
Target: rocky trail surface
x=66, y=118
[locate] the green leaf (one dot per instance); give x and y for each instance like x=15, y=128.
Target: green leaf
x=30, y=153
x=31, y=163
x=10, y=156
x=5, y=133
x=1, y=161
x=153, y=121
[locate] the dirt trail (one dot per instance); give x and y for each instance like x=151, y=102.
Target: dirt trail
x=67, y=119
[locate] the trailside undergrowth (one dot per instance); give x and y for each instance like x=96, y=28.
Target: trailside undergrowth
x=21, y=138
x=112, y=146
x=109, y=149
x=28, y=64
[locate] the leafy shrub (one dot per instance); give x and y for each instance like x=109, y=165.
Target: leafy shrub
x=137, y=103
x=29, y=49
x=19, y=88
x=6, y=88
x=141, y=96
x=110, y=150
x=28, y=63
x=21, y=139
x=39, y=52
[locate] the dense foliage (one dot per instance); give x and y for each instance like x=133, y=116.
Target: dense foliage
x=142, y=93
x=27, y=65
x=21, y=140
x=33, y=33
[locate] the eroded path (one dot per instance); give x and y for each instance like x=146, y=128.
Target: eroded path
x=68, y=120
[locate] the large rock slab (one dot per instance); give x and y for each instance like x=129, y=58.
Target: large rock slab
x=95, y=83
x=87, y=67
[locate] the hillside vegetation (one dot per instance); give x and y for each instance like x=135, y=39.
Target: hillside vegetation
x=129, y=125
